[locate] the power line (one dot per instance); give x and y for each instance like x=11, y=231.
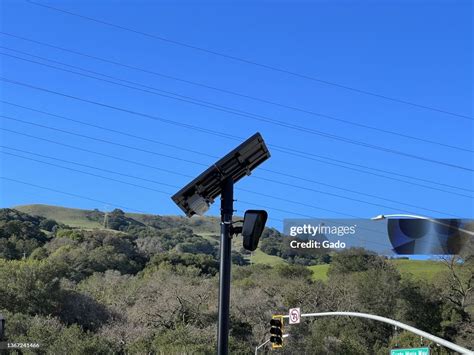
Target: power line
x=143, y=179
x=225, y=135
x=94, y=152
x=135, y=113
x=366, y=172
x=257, y=117
x=261, y=65
x=256, y=177
x=85, y=166
x=350, y=198
x=207, y=104
x=84, y=197
x=261, y=178
x=90, y=174
x=106, y=141
x=68, y=193
x=124, y=182
x=156, y=182
x=310, y=156
x=109, y=129
x=162, y=75
x=127, y=134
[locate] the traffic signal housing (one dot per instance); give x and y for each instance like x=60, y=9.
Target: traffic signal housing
x=254, y=224
x=276, y=332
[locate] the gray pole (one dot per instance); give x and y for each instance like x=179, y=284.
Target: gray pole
x=258, y=347
x=265, y=343
x=227, y=209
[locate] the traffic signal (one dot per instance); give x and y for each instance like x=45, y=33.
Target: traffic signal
x=254, y=224
x=276, y=332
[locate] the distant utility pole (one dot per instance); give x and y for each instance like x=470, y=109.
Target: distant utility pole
x=106, y=217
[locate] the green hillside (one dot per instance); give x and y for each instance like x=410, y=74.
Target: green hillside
x=71, y=216
x=95, y=219
x=259, y=257
x=418, y=269
x=320, y=272
x=208, y=227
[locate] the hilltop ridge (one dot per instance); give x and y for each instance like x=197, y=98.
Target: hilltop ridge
x=83, y=218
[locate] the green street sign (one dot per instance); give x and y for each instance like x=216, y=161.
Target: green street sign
x=413, y=351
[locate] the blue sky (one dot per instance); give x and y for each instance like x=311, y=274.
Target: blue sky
x=418, y=51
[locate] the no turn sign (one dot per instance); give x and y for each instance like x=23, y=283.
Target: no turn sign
x=295, y=315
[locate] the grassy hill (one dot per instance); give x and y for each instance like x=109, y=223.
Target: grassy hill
x=259, y=257
x=320, y=272
x=95, y=219
x=71, y=216
x=418, y=269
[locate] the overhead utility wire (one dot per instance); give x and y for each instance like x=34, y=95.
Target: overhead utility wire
x=147, y=188
x=285, y=150
x=91, y=167
x=363, y=171
x=121, y=181
x=92, y=199
x=309, y=156
x=230, y=92
x=70, y=194
x=94, y=152
x=195, y=101
x=127, y=134
x=252, y=116
x=131, y=112
x=256, y=177
x=213, y=132
x=247, y=61
x=166, y=76
x=158, y=182
x=262, y=178
x=105, y=141
x=180, y=174
x=91, y=174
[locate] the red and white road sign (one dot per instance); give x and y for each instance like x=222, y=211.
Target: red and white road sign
x=295, y=315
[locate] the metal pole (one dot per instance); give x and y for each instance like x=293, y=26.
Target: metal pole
x=258, y=347
x=227, y=209
x=426, y=335
x=263, y=344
